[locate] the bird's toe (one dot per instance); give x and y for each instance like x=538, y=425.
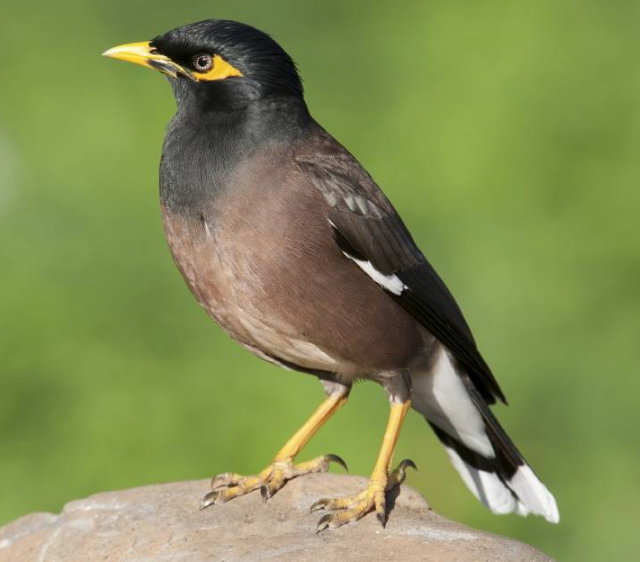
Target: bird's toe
x=229, y=485
x=373, y=498
x=351, y=508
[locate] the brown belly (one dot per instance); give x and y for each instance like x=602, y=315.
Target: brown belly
x=284, y=289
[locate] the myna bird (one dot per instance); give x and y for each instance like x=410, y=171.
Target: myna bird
x=290, y=245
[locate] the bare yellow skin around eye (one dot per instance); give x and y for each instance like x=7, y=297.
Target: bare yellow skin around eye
x=220, y=70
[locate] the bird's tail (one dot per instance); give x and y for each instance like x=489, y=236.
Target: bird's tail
x=481, y=451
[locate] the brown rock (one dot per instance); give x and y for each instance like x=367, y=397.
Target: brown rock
x=162, y=523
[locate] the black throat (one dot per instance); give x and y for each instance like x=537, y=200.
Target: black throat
x=206, y=141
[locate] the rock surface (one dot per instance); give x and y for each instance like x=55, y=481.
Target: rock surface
x=162, y=523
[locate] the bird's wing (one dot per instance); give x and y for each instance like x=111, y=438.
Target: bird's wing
x=370, y=232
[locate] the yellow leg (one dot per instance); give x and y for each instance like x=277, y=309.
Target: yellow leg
x=373, y=498
x=309, y=429
x=230, y=485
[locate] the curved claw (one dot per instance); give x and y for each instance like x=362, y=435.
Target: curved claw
x=319, y=505
x=399, y=474
x=324, y=523
x=276, y=480
x=209, y=499
x=406, y=463
x=382, y=519
x=338, y=460
x=266, y=493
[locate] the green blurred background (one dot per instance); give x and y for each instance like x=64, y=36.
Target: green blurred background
x=507, y=134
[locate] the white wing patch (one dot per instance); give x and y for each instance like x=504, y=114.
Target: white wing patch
x=391, y=283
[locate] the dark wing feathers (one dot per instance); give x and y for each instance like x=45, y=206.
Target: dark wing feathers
x=429, y=300
x=367, y=227
x=362, y=213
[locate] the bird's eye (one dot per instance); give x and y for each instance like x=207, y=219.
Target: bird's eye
x=203, y=62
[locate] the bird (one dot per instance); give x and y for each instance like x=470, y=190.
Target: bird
x=289, y=244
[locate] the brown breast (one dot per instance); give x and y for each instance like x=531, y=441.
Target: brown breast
x=262, y=261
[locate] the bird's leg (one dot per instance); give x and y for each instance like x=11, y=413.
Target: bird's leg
x=230, y=485
x=373, y=497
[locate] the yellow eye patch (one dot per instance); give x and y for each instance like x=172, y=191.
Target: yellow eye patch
x=220, y=70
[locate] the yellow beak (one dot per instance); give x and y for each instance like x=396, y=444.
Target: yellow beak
x=144, y=54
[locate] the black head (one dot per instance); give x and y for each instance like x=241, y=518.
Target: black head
x=218, y=62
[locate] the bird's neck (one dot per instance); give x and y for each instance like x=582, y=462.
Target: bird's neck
x=202, y=148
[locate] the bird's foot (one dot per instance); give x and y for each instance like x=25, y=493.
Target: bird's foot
x=372, y=499
x=229, y=485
